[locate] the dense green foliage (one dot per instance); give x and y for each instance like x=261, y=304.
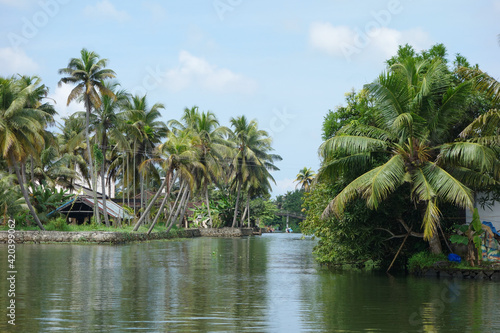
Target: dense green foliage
x=358, y=109
x=400, y=148
x=120, y=140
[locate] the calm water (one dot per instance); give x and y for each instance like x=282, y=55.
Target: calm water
x=257, y=284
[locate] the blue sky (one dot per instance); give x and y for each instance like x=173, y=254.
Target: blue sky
x=284, y=63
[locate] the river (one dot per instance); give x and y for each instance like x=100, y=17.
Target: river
x=267, y=283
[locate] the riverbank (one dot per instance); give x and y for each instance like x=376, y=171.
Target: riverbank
x=460, y=273
x=102, y=237
x=437, y=265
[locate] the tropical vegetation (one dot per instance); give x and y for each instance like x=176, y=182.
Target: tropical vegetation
x=404, y=156
x=160, y=171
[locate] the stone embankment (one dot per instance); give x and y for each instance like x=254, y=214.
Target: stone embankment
x=116, y=237
x=488, y=273
x=225, y=232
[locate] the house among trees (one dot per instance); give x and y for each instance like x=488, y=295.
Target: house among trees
x=81, y=207
x=488, y=208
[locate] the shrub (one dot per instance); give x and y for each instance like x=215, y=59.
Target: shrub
x=424, y=259
x=57, y=224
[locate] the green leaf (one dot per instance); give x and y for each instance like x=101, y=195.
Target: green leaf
x=476, y=221
x=477, y=241
x=459, y=239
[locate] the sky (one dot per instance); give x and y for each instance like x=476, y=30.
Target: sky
x=283, y=63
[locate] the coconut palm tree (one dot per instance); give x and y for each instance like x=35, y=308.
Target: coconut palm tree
x=52, y=168
x=418, y=104
x=212, y=145
x=145, y=132
x=21, y=129
x=72, y=145
x=11, y=200
x=305, y=178
x=88, y=73
x=252, y=155
x=178, y=157
x=106, y=123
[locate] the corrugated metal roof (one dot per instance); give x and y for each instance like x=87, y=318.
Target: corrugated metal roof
x=112, y=208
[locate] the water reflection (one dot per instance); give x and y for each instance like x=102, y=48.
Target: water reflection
x=257, y=284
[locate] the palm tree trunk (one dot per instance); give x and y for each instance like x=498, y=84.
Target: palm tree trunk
x=181, y=220
x=164, y=201
x=23, y=173
x=172, y=210
x=141, y=219
x=91, y=166
x=135, y=213
x=435, y=243
x=146, y=197
x=32, y=169
x=248, y=210
x=141, y=185
x=25, y=194
x=123, y=184
x=103, y=184
x=236, y=206
x=208, y=206
x=243, y=216
x=181, y=203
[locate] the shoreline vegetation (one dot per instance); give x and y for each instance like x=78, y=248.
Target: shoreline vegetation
x=404, y=159
x=181, y=173
x=399, y=164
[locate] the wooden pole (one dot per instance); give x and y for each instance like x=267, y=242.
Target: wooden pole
x=393, y=260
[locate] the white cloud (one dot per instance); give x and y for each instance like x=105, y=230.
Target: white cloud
x=158, y=12
x=105, y=9
x=14, y=61
x=327, y=38
x=194, y=71
x=372, y=41
x=60, y=96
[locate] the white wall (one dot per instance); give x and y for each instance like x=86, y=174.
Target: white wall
x=488, y=214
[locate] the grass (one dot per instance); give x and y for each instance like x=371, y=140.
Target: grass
x=425, y=260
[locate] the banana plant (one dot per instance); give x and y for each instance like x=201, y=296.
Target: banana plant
x=470, y=235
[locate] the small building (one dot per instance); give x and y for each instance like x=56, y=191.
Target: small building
x=488, y=212
x=81, y=208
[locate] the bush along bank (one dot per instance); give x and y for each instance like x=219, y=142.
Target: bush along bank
x=431, y=265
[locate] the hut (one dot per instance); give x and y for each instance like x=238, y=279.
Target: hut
x=81, y=208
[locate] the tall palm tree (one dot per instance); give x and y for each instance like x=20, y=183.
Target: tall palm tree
x=88, y=73
x=72, y=145
x=21, y=129
x=106, y=123
x=418, y=104
x=52, y=167
x=212, y=145
x=182, y=161
x=177, y=158
x=305, y=178
x=145, y=132
x=252, y=155
x=35, y=100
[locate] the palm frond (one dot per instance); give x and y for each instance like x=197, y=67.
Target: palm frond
x=350, y=144
x=374, y=186
x=430, y=219
x=447, y=187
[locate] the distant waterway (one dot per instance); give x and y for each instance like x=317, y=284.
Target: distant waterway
x=267, y=283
